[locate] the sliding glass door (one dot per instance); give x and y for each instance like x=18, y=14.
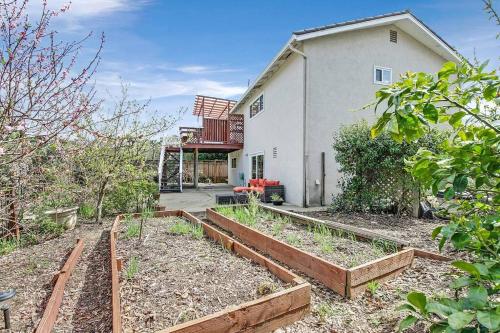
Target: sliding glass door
x=257, y=166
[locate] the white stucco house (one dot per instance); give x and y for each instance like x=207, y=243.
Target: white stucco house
x=313, y=86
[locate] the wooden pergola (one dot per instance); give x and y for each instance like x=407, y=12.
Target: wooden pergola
x=212, y=107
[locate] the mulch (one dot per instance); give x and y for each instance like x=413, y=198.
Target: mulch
x=180, y=277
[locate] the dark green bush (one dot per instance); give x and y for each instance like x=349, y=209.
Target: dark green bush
x=373, y=170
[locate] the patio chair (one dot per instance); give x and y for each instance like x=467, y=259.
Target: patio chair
x=4, y=306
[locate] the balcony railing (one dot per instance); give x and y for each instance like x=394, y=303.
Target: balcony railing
x=215, y=131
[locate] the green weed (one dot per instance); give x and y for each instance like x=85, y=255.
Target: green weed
x=180, y=228
x=197, y=231
x=325, y=311
x=293, y=239
x=132, y=230
x=7, y=246
x=132, y=268
x=87, y=211
x=372, y=287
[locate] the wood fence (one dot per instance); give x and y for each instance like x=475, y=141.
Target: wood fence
x=215, y=170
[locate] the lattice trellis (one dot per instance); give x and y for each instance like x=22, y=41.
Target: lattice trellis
x=398, y=190
x=236, y=128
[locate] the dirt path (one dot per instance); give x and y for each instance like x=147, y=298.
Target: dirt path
x=86, y=304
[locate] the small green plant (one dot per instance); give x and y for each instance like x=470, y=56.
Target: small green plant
x=7, y=246
x=197, y=231
x=324, y=237
x=253, y=204
x=325, y=311
x=132, y=268
x=127, y=218
x=87, y=211
x=266, y=288
x=372, y=287
x=132, y=230
x=180, y=228
x=276, y=197
x=293, y=239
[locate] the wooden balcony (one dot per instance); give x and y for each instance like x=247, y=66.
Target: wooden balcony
x=222, y=135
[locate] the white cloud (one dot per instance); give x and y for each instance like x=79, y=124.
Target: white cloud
x=200, y=69
x=88, y=8
x=160, y=87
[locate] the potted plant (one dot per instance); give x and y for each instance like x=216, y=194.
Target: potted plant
x=276, y=199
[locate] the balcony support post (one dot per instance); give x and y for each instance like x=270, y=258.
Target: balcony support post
x=195, y=168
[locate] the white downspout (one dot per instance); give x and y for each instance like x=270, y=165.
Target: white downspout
x=305, y=201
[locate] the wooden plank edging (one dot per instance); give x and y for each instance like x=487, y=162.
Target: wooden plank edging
x=431, y=255
x=51, y=311
x=115, y=280
x=353, y=281
x=264, y=314
x=331, y=275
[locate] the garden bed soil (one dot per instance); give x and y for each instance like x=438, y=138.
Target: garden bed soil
x=31, y=270
x=415, y=231
x=180, y=277
x=343, y=251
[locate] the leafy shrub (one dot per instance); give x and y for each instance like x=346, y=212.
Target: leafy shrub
x=127, y=197
x=51, y=228
x=466, y=170
x=7, y=246
x=367, y=164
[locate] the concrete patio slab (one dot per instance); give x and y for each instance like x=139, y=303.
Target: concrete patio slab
x=198, y=200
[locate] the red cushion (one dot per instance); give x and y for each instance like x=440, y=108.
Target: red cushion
x=271, y=182
x=253, y=182
x=258, y=189
x=262, y=181
x=241, y=189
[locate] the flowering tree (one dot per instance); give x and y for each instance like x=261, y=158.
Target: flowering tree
x=44, y=91
x=116, y=146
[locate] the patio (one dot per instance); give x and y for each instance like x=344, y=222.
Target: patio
x=198, y=200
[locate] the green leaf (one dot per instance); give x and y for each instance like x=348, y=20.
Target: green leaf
x=436, y=232
x=461, y=282
x=489, y=319
x=460, y=183
x=407, y=322
x=490, y=92
x=467, y=267
x=439, y=309
x=455, y=118
x=460, y=240
x=447, y=69
x=418, y=300
x=438, y=327
x=459, y=320
x=406, y=306
x=449, y=193
x=478, y=296
x=431, y=113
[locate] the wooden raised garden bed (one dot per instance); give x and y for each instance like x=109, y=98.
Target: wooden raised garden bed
x=51, y=311
x=345, y=280
x=273, y=309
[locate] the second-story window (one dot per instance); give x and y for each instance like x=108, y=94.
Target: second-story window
x=257, y=106
x=382, y=75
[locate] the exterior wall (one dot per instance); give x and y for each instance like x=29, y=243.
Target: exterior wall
x=340, y=80
x=233, y=174
x=278, y=125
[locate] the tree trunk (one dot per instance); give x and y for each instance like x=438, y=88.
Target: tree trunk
x=100, y=200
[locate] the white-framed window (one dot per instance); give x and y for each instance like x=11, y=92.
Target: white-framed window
x=233, y=163
x=382, y=75
x=257, y=106
x=257, y=165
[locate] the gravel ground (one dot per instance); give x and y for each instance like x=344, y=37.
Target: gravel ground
x=180, y=277
x=371, y=313
x=30, y=271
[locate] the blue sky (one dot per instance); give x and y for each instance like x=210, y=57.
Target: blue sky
x=168, y=51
